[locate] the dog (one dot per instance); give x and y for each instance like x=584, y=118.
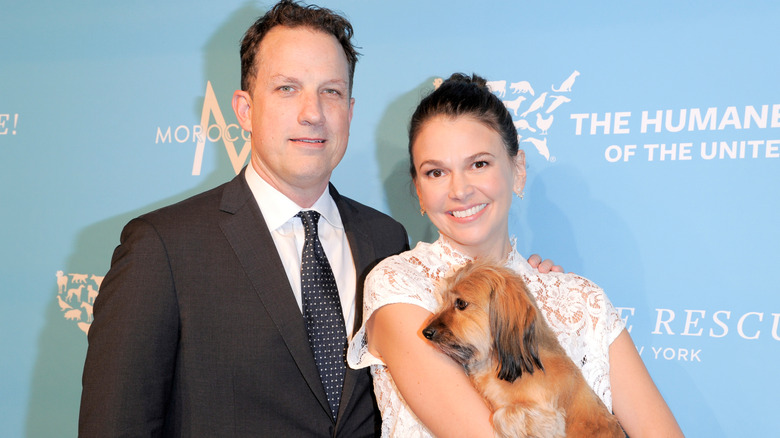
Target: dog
x=514, y=105
x=489, y=323
x=566, y=84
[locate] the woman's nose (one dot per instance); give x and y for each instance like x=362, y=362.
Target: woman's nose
x=460, y=186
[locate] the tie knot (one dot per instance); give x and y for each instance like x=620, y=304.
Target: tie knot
x=309, y=219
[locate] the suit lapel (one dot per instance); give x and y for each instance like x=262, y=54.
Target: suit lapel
x=257, y=254
x=363, y=254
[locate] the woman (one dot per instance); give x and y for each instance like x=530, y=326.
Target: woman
x=465, y=164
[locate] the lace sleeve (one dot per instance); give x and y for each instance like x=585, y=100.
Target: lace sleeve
x=394, y=280
x=584, y=320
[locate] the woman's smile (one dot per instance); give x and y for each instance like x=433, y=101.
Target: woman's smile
x=469, y=212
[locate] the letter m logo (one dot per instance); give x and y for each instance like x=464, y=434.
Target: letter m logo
x=211, y=107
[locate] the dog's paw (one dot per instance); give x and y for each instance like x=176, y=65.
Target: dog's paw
x=529, y=422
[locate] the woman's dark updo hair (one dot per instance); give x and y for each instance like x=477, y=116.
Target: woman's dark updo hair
x=461, y=95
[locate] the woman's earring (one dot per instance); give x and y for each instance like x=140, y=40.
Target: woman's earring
x=422, y=211
x=520, y=195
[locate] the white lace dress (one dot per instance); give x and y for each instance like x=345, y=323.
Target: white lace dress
x=577, y=310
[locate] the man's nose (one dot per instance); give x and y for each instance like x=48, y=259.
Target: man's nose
x=311, y=109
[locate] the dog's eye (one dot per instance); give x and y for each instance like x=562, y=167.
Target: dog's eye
x=460, y=304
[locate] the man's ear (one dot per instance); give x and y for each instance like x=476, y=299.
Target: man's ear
x=351, y=108
x=242, y=106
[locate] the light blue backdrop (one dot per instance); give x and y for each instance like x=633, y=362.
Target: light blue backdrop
x=101, y=107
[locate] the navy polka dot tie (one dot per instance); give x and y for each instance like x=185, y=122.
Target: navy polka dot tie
x=322, y=311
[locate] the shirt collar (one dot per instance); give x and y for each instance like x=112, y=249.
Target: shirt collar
x=277, y=208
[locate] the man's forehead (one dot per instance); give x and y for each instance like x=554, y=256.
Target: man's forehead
x=297, y=34
x=297, y=53
x=297, y=39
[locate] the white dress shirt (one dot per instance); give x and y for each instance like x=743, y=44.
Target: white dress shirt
x=288, y=234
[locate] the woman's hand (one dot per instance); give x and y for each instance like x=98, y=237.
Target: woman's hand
x=543, y=266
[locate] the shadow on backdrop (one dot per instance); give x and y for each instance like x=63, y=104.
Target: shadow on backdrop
x=56, y=381
x=392, y=143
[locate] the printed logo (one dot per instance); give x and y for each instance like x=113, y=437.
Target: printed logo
x=532, y=120
x=76, y=294
x=230, y=134
x=671, y=326
x=738, y=129
x=8, y=123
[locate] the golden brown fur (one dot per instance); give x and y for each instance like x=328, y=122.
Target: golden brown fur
x=490, y=324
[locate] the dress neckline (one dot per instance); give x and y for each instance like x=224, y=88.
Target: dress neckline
x=447, y=250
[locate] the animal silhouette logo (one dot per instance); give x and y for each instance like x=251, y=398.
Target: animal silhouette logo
x=514, y=104
x=76, y=295
x=498, y=87
x=566, y=85
x=536, y=116
x=536, y=112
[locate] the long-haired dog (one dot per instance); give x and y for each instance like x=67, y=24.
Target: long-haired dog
x=489, y=323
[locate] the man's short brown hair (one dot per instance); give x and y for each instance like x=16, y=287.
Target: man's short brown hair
x=292, y=14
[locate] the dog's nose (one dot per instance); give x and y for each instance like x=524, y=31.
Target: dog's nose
x=428, y=332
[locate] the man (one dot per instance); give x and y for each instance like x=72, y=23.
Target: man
x=198, y=327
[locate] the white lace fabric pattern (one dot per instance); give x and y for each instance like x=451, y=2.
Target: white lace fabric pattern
x=577, y=310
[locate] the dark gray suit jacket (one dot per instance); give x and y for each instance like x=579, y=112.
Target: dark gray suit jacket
x=197, y=333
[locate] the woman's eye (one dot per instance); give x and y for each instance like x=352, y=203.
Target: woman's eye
x=435, y=173
x=480, y=164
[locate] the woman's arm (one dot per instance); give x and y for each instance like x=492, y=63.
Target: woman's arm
x=435, y=387
x=637, y=403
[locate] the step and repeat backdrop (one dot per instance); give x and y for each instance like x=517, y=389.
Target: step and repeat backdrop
x=652, y=131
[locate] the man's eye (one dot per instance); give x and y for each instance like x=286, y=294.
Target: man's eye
x=460, y=304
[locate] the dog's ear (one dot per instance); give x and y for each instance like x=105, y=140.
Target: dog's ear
x=513, y=323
